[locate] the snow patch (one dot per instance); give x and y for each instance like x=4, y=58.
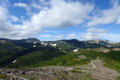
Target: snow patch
x=34, y=46
x=44, y=43
x=53, y=44
x=14, y=61
x=59, y=48
x=34, y=42
x=75, y=50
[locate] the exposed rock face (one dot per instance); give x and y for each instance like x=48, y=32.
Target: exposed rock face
x=82, y=57
x=116, y=49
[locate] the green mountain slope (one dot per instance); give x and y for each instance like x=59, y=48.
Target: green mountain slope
x=25, y=50
x=111, y=59
x=35, y=53
x=36, y=56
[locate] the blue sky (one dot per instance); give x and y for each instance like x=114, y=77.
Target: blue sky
x=60, y=19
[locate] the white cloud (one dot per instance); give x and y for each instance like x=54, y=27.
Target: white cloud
x=66, y=36
x=72, y=35
x=89, y=35
x=92, y=36
x=114, y=2
x=21, y=5
x=94, y=33
x=106, y=16
x=51, y=31
x=27, y=7
x=106, y=36
x=3, y=13
x=46, y=35
x=112, y=36
x=60, y=14
x=9, y=30
x=34, y=5
x=4, y=25
x=97, y=30
x=118, y=21
x=14, y=18
x=4, y=3
x=40, y=4
x=98, y=33
x=59, y=37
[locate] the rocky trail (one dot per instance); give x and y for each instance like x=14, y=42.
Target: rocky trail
x=98, y=71
x=94, y=70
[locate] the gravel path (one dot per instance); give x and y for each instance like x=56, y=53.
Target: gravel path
x=98, y=71
x=14, y=76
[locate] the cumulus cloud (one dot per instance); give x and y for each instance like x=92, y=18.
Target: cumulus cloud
x=97, y=30
x=112, y=36
x=14, y=18
x=92, y=36
x=98, y=36
x=27, y=7
x=94, y=33
x=99, y=33
x=72, y=35
x=46, y=35
x=4, y=25
x=57, y=13
x=118, y=21
x=59, y=37
x=9, y=30
x=17, y=34
x=51, y=31
x=66, y=36
x=40, y=4
x=106, y=16
x=60, y=14
x=21, y=5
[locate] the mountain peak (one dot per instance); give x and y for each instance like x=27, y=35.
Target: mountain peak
x=32, y=40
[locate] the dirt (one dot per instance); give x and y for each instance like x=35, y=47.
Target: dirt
x=98, y=71
x=95, y=69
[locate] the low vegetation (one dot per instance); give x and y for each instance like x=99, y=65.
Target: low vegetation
x=111, y=59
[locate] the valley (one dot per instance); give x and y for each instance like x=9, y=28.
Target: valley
x=32, y=59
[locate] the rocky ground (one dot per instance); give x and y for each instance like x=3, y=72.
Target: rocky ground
x=98, y=71
x=95, y=70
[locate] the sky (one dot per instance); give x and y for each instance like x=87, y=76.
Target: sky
x=50, y=20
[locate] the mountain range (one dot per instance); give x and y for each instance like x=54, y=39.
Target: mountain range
x=27, y=52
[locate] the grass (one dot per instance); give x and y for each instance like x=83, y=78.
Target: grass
x=112, y=64
x=71, y=59
x=67, y=60
x=118, y=78
x=77, y=70
x=111, y=59
x=3, y=76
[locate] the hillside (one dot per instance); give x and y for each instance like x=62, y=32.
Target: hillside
x=83, y=57
x=84, y=64
x=11, y=50
x=16, y=53
x=66, y=58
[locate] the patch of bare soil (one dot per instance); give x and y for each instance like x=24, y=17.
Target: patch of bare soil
x=47, y=73
x=98, y=71
x=92, y=71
